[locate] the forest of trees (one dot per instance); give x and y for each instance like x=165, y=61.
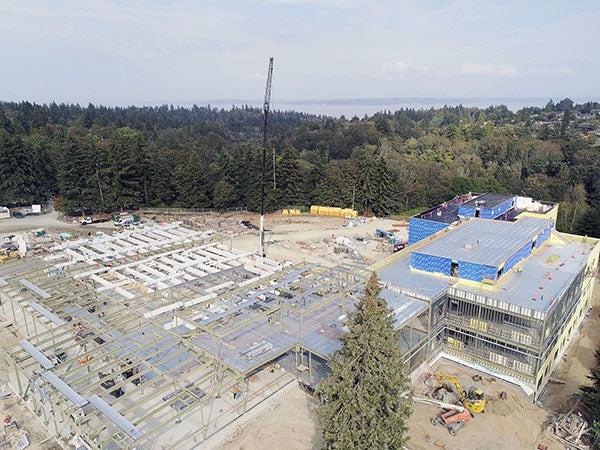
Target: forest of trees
x=105, y=159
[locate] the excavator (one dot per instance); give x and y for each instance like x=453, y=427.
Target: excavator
x=455, y=417
x=473, y=399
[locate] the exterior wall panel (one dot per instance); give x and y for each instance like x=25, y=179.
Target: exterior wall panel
x=476, y=272
x=419, y=229
x=429, y=263
x=523, y=252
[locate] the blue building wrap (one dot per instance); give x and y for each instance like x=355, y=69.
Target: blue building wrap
x=498, y=210
x=476, y=272
x=487, y=213
x=523, y=252
x=419, y=229
x=544, y=235
x=466, y=211
x=430, y=263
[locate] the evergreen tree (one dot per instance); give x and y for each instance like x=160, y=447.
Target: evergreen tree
x=291, y=178
x=78, y=182
x=17, y=179
x=224, y=194
x=368, y=185
x=192, y=183
x=591, y=394
x=366, y=399
x=127, y=168
x=384, y=203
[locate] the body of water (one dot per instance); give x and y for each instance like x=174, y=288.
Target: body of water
x=359, y=107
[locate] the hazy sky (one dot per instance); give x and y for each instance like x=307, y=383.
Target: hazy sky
x=129, y=51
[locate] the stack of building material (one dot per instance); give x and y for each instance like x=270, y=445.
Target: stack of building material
x=330, y=211
x=572, y=429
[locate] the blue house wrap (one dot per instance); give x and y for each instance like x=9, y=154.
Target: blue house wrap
x=523, y=252
x=466, y=211
x=476, y=272
x=487, y=212
x=419, y=229
x=544, y=235
x=430, y=263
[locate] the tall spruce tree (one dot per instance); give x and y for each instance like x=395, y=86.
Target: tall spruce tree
x=591, y=396
x=127, y=168
x=17, y=177
x=365, y=400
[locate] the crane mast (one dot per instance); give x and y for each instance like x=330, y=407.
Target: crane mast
x=266, y=106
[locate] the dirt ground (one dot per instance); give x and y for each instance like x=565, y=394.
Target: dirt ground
x=511, y=423
x=313, y=239
x=576, y=363
x=49, y=221
x=293, y=238
x=289, y=425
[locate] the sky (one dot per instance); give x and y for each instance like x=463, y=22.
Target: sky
x=134, y=52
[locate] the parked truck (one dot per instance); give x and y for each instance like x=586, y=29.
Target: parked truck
x=126, y=221
x=95, y=218
x=397, y=243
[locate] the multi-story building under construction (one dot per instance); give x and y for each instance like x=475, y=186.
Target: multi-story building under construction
x=163, y=336
x=499, y=288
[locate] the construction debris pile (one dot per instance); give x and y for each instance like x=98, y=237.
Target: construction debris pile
x=572, y=429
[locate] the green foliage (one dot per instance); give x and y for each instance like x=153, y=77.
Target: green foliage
x=17, y=177
x=366, y=399
x=103, y=158
x=591, y=397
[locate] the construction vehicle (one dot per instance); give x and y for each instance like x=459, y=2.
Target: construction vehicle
x=8, y=252
x=96, y=218
x=473, y=399
x=126, y=221
x=453, y=419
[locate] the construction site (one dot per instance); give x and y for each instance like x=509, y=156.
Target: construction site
x=178, y=333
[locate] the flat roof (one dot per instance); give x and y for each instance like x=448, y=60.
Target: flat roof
x=488, y=200
x=403, y=307
x=446, y=212
x=483, y=241
x=545, y=274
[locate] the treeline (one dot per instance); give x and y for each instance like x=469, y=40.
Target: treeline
x=104, y=159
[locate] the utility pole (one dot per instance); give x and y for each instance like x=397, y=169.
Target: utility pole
x=266, y=106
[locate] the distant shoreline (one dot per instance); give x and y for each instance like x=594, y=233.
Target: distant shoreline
x=350, y=107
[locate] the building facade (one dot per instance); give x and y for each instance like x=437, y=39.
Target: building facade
x=505, y=292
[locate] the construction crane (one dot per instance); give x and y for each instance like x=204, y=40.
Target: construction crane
x=266, y=106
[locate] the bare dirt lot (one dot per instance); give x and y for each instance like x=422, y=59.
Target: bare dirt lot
x=303, y=238
x=289, y=425
x=313, y=239
x=50, y=222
